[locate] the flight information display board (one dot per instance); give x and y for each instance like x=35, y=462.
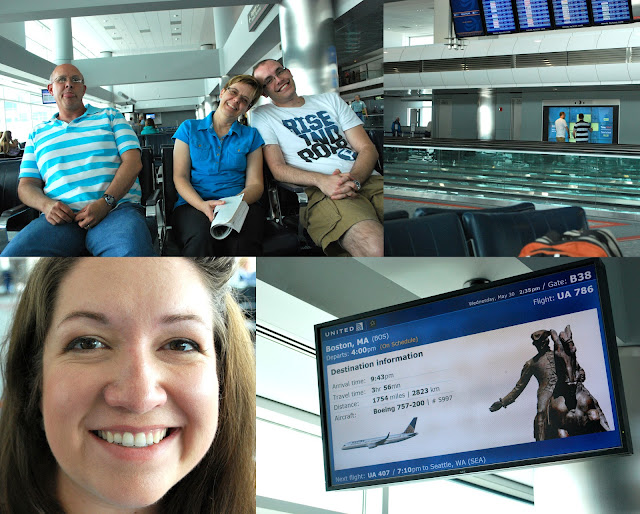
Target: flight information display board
x=611, y=12
x=420, y=389
x=499, y=16
x=467, y=20
x=533, y=15
x=570, y=13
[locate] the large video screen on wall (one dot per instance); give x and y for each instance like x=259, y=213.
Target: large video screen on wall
x=603, y=120
x=467, y=20
x=521, y=371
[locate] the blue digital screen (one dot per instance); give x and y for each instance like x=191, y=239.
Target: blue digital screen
x=603, y=120
x=570, y=13
x=467, y=21
x=533, y=15
x=610, y=12
x=499, y=16
x=407, y=392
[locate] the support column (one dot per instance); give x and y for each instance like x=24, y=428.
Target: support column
x=107, y=53
x=62, y=41
x=486, y=114
x=308, y=46
x=441, y=21
x=224, y=20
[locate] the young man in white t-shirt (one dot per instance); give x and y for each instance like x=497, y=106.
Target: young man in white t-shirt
x=318, y=142
x=562, y=129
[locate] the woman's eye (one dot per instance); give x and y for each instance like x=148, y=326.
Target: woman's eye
x=86, y=343
x=182, y=345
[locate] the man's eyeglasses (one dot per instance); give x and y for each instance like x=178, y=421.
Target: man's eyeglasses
x=61, y=79
x=271, y=78
x=242, y=99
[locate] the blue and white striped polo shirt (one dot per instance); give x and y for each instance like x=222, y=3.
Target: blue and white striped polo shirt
x=78, y=160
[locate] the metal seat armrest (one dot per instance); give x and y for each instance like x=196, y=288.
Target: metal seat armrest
x=4, y=220
x=153, y=199
x=298, y=190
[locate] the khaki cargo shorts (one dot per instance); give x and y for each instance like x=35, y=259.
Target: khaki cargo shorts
x=327, y=220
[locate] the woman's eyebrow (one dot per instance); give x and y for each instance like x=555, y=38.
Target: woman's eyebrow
x=178, y=318
x=95, y=316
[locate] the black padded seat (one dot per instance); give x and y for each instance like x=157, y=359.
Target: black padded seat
x=439, y=235
x=518, y=207
x=504, y=234
x=395, y=215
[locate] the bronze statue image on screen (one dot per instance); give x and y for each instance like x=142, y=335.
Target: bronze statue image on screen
x=565, y=406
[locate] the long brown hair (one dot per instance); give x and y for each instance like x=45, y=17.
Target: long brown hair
x=223, y=481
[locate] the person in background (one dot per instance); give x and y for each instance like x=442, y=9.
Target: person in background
x=581, y=130
x=562, y=129
x=149, y=127
x=9, y=146
x=360, y=108
x=396, y=128
x=214, y=158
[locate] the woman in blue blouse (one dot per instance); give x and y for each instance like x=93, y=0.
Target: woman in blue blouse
x=215, y=158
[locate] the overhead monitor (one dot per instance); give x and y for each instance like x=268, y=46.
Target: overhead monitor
x=520, y=371
x=47, y=98
x=611, y=12
x=570, y=13
x=603, y=120
x=533, y=15
x=499, y=16
x=467, y=20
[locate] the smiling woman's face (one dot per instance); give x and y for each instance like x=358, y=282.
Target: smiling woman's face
x=130, y=390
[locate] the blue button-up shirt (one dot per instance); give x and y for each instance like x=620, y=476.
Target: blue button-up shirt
x=218, y=168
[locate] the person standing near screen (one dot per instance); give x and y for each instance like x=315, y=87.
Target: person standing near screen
x=581, y=130
x=562, y=129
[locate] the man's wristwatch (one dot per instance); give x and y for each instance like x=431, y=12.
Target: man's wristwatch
x=111, y=201
x=358, y=186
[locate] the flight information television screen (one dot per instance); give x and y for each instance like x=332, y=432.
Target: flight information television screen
x=499, y=16
x=570, y=13
x=521, y=371
x=467, y=20
x=533, y=15
x=611, y=12
x=47, y=98
x=603, y=120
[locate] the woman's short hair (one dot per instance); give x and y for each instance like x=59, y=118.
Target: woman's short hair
x=223, y=481
x=150, y=123
x=251, y=81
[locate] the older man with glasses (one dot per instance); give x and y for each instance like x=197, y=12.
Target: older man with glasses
x=80, y=170
x=318, y=142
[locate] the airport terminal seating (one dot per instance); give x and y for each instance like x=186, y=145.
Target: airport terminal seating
x=15, y=215
x=518, y=207
x=504, y=234
x=495, y=232
x=150, y=196
x=285, y=202
x=157, y=141
x=395, y=215
x=437, y=235
x=278, y=240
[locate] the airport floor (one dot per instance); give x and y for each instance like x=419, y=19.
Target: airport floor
x=626, y=232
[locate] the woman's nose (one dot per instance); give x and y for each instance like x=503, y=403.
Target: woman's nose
x=135, y=385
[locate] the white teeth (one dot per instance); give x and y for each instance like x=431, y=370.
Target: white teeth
x=127, y=439
x=138, y=440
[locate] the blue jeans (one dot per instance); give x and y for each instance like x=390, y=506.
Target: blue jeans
x=359, y=115
x=122, y=233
